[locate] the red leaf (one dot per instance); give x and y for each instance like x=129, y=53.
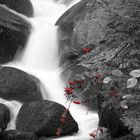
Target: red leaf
x=79, y=81
x=98, y=76
x=76, y=102
x=86, y=50
x=68, y=90
x=71, y=83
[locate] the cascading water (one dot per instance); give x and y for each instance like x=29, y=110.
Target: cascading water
x=40, y=59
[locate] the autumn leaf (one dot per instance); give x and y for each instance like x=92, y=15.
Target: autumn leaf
x=71, y=83
x=123, y=104
x=135, y=73
x=68, y=90
x=117, y=72
x=79, y=81
x=107, y=80
x=76, y=102
x=131, y=82
x=128, y=97
x=98, y=76
x=86, y=50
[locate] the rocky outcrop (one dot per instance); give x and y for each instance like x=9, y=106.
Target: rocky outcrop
x=14, y=31
x=18, y=135
x=103, y=37
x=18, y=85
x=4, y=117
x=46, y=118
x=21, y=6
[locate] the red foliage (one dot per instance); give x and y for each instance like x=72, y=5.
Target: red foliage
x=76, y=102
x=58, y=132
x=79, y=81
x=86, y=50
x=68, y=90
x=71, y=83
x=98, y=76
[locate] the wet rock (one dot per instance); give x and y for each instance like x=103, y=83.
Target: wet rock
x=18, y=135
x=14, y=31
x=21, y=6
x=43, y=118
x=18, y=85
x=4, y=117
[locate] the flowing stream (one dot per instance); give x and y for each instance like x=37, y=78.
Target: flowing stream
x=40, y=58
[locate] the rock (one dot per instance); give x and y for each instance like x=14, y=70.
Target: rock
x=110, y=118
x=109, y=26
x=71, y=14
x=18, y=135
x=4, y=117
x=18, y=85
x=43, y=118
x=21, y=6
x=14, y=31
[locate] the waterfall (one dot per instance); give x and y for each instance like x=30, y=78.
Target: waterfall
x=40, y=58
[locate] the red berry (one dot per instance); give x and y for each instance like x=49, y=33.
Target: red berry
x=71, y=83
x=86, y=50
x=79, y=81
x=68, y=90
x=76, y=102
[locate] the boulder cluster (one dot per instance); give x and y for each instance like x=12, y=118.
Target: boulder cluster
x=99, y=46
x=37, y=118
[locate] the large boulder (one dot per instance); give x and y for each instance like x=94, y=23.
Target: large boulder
x=18, y=85
x=4, y=117
x=18, y=135
x=46, y=118
x=14, y=31
x=21, y=6
x=106, y=37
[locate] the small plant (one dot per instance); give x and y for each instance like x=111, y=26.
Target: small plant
x=86, y=50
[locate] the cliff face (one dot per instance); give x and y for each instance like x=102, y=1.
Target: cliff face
x=99, y=44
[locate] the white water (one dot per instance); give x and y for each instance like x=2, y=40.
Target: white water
x=14, y=108
x=40, y=59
